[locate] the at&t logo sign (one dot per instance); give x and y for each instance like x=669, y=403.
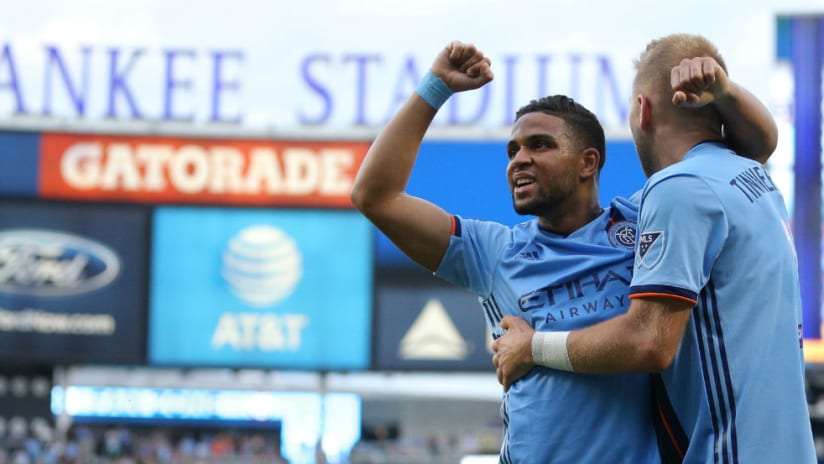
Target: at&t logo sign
x=262, y=266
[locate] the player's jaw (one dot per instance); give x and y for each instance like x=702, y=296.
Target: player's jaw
x=531, y=198
x=533, y=194
x=526, y=191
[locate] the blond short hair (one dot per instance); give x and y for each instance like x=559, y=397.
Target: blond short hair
x=655, y=64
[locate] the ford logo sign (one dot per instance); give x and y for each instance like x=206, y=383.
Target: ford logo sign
x=53, y=264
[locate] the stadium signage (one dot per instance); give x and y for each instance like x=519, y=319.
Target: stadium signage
x=116, y=86
x=47, y=263
x=205, y=171
x=262, y=288
x=313, y=89
x=72, y=282
x=432, y=327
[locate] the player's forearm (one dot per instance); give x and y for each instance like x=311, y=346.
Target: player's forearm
x=645, y=339
x=620, y=344
x=388, y=164
x=749, y=128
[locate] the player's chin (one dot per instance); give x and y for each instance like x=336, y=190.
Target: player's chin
x=524, y=207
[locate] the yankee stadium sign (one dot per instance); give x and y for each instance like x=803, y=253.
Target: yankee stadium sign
x=343, y=67
x=331, y=89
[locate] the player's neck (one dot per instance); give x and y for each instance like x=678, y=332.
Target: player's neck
x=677, y=143
x=571, y=216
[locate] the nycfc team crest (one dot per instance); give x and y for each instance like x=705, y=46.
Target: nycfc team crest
x=650, y=248
x=622, y=234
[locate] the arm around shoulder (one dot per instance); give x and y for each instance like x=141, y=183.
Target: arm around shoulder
x=645, y=339
x=749, y=128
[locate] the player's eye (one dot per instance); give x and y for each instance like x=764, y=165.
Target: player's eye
x=543, y=144
x=511, y=151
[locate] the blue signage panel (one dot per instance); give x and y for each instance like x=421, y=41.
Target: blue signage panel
x=19, y=153
x=430, y=327
x=469, y=179
x=72, y=282
x=260, y=288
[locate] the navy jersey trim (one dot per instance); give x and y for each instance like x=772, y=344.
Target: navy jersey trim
x=456, y=226
x=492, y=310
x=488, y=315
x=672, y=440
x=504, y=457
x=717, y=381
x=615, y=216
x=666, y=291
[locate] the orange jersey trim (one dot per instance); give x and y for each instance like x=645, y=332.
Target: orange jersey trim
x=662, y=295
x=669, y=431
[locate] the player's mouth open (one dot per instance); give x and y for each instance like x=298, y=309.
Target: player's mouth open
x=522, y=184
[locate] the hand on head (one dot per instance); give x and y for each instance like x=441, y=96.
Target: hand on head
x=462, y=67
x=697, y=82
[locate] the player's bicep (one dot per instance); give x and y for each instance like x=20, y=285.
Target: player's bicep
x=417, y=227
x=664, y=320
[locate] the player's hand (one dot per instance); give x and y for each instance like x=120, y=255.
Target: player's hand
x=462, y=67
x=513, y=351
x=698, y=82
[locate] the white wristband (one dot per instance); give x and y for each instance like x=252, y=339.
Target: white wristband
x=549, y=349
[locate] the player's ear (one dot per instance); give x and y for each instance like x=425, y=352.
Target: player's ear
x=645, y=113
x=590, y=159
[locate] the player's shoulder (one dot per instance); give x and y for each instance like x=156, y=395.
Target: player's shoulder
x=481, y=226
x=626, y=206
x=674, y=187
x=704, y=160
x=703, y=167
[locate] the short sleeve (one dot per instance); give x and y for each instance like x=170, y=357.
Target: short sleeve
x=681, y=230
x=474, y=250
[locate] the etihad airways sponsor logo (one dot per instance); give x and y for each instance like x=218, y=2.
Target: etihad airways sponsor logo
x=170, y=170
x=583, y=286
x=55, y=264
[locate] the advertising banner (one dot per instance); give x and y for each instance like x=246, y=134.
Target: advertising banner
x=179, y=170
x=430, y=327
x=72, y=283
x=260, y=288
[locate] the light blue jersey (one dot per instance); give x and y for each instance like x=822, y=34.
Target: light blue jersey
x=559, y=283
x=714, y=231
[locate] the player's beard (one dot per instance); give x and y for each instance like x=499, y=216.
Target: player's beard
x=548, y=202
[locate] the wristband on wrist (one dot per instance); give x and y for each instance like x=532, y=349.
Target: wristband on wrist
x=433, y=90
x=549, y=349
